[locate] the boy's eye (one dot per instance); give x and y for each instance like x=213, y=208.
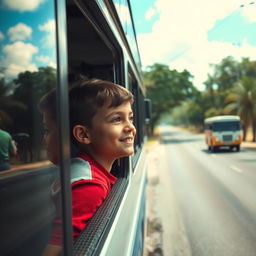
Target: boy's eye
x=131, y=119
x=116, y=119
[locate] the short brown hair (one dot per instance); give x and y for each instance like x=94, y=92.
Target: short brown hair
x=86, y=97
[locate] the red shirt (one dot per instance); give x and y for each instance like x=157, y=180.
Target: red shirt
x=90, y=185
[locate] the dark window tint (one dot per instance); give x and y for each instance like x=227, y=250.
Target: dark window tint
x=27, y=72
x=226, y=126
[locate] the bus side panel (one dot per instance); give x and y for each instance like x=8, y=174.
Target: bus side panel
x=127, y=235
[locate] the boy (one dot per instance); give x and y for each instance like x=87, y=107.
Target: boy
x=101, y=125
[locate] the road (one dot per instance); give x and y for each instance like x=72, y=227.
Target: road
x=205, y=202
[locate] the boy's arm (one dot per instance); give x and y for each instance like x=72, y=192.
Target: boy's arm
x=87, y=197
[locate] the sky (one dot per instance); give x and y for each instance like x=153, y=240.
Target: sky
x=27, y=36
x=189, y=34
x=193, y=34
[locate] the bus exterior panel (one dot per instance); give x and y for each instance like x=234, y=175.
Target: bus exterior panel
x=127, y=233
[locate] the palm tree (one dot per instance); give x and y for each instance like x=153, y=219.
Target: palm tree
x=242, y=101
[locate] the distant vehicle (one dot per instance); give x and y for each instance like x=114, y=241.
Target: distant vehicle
x=223, y=131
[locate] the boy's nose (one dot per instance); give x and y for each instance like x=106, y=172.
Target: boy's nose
x=130, y=126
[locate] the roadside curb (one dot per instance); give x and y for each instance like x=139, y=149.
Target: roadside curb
x=153, y=236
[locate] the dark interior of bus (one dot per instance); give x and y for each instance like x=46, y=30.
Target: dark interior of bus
x=88, y=55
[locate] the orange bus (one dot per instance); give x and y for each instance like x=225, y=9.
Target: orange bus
x=223, y=131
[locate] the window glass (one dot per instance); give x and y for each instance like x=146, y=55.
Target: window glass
x=226, y=126
x=28, y=181
x=133, y=87
x=122, y=8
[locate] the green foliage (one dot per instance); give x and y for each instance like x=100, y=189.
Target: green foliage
x=229, y=89
x=7, y=103
x=242, y=100
x=19, y=100
x=167, y=89
x=30, y=87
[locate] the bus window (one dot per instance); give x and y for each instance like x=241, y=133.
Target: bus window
x=34, y=191
x=227, y=126
x=88, y=54
x=28, y=71
x=139, y=115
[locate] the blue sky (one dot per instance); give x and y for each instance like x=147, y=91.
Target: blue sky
x=139, y=10
x=192, y=34
x=27, y=35
x=187, y=34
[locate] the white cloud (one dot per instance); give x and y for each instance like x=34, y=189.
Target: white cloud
x=1, y=36
x=150, y=13
x=18, y=58
x=24, y=5
x=249, y=11
x=19, y=32
x=179, y=37
x=123, y=12
x=49, y=28
x=46, y=60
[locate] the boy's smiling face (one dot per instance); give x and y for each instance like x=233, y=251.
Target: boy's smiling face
x=112, y=133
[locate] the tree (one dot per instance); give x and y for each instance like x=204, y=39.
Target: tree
x=225, y=75
x=166, y=88
x=7, y=102
x=30, y=87
x=242, y=101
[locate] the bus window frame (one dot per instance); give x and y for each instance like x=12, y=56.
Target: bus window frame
x=135, y=89
x=93, y=237
x=63, y=123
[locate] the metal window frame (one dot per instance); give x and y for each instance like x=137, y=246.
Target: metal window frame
x=63, y=123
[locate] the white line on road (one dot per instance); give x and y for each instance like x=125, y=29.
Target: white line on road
x=236, y=169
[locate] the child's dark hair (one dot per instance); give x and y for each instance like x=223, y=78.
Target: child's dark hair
x=85, y=98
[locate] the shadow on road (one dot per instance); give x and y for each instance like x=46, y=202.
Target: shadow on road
x=220, y=151
x=176, y=141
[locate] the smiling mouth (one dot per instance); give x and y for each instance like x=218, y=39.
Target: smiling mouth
x=128, y=140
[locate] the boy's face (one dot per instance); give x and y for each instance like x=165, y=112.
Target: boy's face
x=51, y=138
x=112, y=132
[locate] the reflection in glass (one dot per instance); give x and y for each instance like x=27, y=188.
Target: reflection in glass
x=27, y=72
x=122, y=8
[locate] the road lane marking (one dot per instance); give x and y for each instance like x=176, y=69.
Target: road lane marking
x=236, y=169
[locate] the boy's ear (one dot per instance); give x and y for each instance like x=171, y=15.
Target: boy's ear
x=81, y=134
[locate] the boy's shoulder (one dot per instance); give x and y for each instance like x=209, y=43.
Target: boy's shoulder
x=80, y=170
x=84, y=168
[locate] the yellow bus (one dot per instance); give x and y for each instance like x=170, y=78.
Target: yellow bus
x=223, y=131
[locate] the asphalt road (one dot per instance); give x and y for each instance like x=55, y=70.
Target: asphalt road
x=206, y=202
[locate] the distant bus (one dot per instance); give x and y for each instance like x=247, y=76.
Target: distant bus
x=223, y=131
